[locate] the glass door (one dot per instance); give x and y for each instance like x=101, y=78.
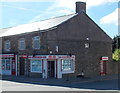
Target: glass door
x=6, y=66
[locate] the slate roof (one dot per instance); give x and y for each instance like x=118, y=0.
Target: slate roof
x=35, y=26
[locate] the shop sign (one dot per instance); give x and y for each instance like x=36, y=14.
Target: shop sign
x=104, y=58
x=52, y=57
x=42, y=57
x=64, y=57
x=7, y=55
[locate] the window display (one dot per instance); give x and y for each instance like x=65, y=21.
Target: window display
x=67, y=65
x=36, y=65
x=5, y=64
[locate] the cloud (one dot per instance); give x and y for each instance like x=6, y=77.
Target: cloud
x=28, y=0
x=111, y=18
x=65, y=11
x=90, y=3
x=20, y=8
x=13, y=22
x=68, y=6
x=36, y=18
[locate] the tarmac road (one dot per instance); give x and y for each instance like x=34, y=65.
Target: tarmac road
x=106, y=85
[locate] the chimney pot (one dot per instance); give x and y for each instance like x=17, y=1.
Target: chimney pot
x=80, y=6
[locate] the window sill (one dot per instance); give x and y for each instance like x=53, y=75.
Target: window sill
x=67, y=72
x=35, y=72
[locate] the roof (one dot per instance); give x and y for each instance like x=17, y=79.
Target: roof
x=35, y=26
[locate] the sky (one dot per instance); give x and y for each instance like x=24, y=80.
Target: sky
x=16, y=12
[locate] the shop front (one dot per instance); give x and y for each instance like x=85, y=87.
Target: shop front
x=8, y=64
x=52, y=66
x=46, y=66
x=103, y=65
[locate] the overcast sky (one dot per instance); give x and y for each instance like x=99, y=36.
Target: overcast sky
x=16, y=12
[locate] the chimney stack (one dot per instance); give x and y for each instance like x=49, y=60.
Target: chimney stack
x=80, y=6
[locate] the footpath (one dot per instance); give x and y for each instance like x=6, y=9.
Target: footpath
x=23, y=79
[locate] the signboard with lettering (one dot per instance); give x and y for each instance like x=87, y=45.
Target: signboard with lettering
x=104, y=58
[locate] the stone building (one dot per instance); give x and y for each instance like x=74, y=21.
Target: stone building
x=57, y=47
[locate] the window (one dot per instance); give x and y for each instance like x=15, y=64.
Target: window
x=5, y=64
x=7, y=45
x=36, y=65
x=22, y=44
x=67, y=65
x=87, y=45
x=36, y=42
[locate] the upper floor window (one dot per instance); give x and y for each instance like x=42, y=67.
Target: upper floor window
x=87, y=45
x=36, y=42
x=21, y=44
x=7, y=45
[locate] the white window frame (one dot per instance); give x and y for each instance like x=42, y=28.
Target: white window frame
x=6, y=64
x=31, y=65
x=36, y=38
x=19, y=43
x=69, y=71
x=7, y=45
x=87, y=45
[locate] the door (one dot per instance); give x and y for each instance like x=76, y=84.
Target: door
x=22, y=66
x=13, y=67
x=103, y=67
x=6, y=66
x=51, y=69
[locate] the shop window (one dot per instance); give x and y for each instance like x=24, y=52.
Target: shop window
x=36, y=42
x=22, y=44
x=67, y=65
x=3, y=65
x=6, y=64
x=36, y=65
x=7, y=45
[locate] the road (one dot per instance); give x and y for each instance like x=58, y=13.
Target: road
x=107, y=85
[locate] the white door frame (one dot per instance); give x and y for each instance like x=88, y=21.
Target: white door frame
x=54, y=67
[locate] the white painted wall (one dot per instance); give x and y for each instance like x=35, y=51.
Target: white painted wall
x=59, y=73
x=1, y=66
x=45, y=68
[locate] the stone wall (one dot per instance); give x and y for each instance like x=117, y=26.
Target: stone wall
x=70, y=37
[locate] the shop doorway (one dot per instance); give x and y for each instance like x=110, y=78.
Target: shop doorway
x=103, y=68
x=51, y=69
x=22, y=66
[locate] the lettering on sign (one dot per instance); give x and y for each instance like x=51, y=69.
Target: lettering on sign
x=104, y=58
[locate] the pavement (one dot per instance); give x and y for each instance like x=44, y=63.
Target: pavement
x=58, y=81
x=107, y=83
